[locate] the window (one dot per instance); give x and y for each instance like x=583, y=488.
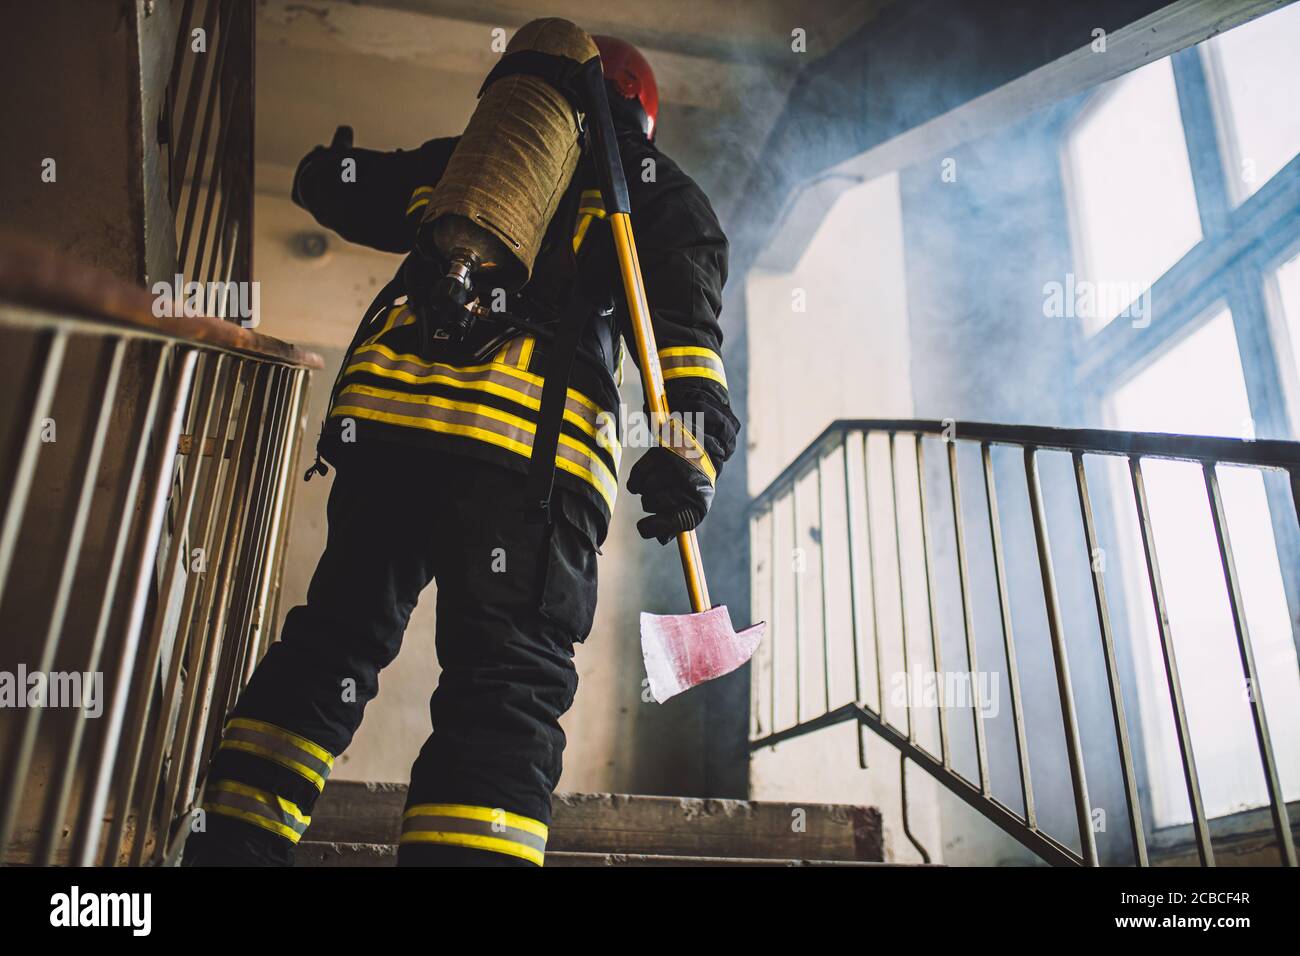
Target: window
x=1180, y=180
x=1128, y=171
x=1158, y=399
x=1257, y=89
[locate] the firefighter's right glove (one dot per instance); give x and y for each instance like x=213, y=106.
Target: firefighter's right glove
x=675, y=481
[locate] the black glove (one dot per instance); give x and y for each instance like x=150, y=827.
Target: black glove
x=676, y=493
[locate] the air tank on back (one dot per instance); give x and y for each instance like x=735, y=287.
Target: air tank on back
x=504, y=180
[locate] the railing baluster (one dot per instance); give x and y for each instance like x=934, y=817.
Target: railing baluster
x=797, y=567
x=1201, y=828
x=871, y=568
x=194, y=616
x=1276, y=796
x=155, y=504
x=932, y=604
x=1008, y=639
x=855, y=597
x=296, y=440
x=198, y=75
x=171, y=680
x=771, y=641
x=1293, y=475
x=53, y=345
x=260, y=564
x=238, y=597
x=824, y=568
x=215, y=603
x=23, y=740
x=902, y=594
x=968, y=622
x=201, y=158
x=265, y=620
x=1127, y=770
x=1069, y=720
x=215, y=184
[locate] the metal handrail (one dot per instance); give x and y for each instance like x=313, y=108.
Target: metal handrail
x=185, y=433
x=1024, y=826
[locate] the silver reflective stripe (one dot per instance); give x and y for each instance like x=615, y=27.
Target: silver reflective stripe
x=692, y=361
x=258, y=807
x=279, y=746
x=485, y=828
x=474, y=827
x=526, y=391
x=474, y=420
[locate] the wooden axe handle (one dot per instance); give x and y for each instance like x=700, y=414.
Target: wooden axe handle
x=652, y=380
x=618, y=207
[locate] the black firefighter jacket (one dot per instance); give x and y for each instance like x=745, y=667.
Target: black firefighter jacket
x=490, y=409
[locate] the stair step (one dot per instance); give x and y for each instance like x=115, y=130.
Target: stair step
x=315, y=854
x=603, y=824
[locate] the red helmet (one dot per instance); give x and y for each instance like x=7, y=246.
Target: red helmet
x=630, y=72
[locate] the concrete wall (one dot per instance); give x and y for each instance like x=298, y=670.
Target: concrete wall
x=81, y=114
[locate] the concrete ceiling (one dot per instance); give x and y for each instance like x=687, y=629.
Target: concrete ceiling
x=403, y=71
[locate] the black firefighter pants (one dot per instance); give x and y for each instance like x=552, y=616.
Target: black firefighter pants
x=513, y=598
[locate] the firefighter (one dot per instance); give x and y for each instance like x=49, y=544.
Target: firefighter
x=432, y=460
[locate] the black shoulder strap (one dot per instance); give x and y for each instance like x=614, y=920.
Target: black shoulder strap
x=563, y=350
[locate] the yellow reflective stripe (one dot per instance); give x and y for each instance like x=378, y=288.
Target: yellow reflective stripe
x=516, y=438
x=420, y=196
x=523, y=376
x=389, y=321
x=477, y=842
x=237, y=727
x=675, y=351
x=526, y=353
x=695, y=371
x=676, y=362
x=302, y=743
x=280, y=829
x=580, y=233
x=676, y=438
x=522, y=426
x=465, y=811
x=273, y=800
x=267, y=753
x=454, y=376
x=274, y=804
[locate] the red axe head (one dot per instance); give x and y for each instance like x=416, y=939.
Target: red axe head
x=682, y=650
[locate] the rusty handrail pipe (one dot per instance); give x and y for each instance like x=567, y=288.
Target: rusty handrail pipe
x=39, y=277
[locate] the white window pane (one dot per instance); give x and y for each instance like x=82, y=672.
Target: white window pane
x=1132, y=201
x=1259, y=89
x=1170, y=394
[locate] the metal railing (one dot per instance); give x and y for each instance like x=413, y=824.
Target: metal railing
x=147, y=472
x=206, y=134
x=775, y=516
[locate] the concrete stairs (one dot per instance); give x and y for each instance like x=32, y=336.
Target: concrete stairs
x=357, y=824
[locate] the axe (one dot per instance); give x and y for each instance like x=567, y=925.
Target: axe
x=680, y=650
